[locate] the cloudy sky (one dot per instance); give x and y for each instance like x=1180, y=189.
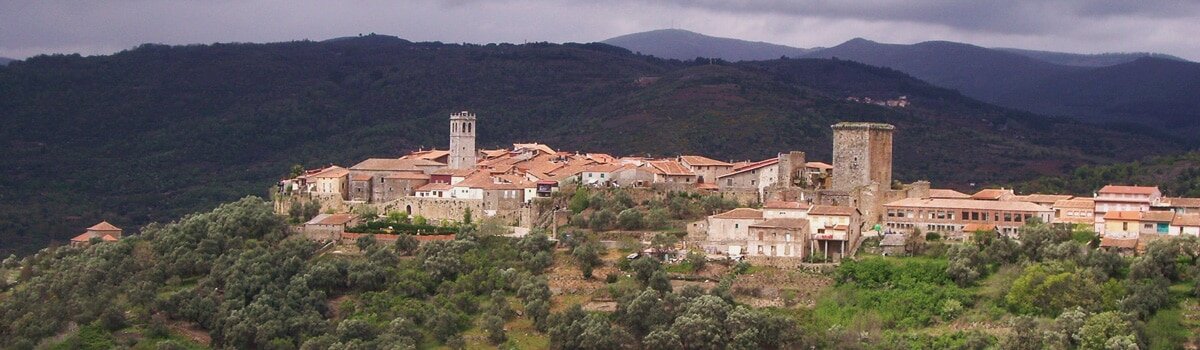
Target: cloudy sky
x=31, y=27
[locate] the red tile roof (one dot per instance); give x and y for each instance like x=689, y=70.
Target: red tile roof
x=974, y=227
x=331, y=172
x=1123, y=215
x=1076, y=203
x=1182, y=202
x=785, y=205
x=740, y=213
x=782, y=223
x=1129, y=243
x=408, y=176
x=991, y=193
x=1158, y=216
x=945, y=193
x=331, y=219
x=702, y=161
x=360, y=177
x=671, y=168
x=940, y=203
x=1118, y=189
x=393, y=164
x=831, y=210
x=83, y=237
x=435, y=186
x=104, y=226
x=818, y=165
x=752, y=166
x=1186, y=220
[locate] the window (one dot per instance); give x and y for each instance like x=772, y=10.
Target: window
x=735, y=225
x=728, y=182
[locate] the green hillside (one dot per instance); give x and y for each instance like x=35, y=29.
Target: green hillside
x=155, y=132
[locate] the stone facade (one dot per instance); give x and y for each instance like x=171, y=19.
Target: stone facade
x=434, y=209
x=862, y=154
x=462, y=140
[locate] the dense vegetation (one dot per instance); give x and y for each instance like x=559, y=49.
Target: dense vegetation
x=155, y=132
x=1176, y=175
x=1053, y=289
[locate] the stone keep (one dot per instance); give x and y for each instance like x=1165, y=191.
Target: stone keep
x=462, y=140
x=862, y=155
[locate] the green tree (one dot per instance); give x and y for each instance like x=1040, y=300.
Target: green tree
x=1103, y=329
x=630, y=219
x=602, y=220
x=579, y=201
x=588, y=256
x=494, y=326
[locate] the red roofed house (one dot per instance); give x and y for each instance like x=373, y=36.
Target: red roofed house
x=785, y=210
x=727, y=232
x=754, y=177
x=670, y=171
x=328, y=227
x=785, y=238
x=1123, y=198
x=1186, y=224
x=103, y=231
x=706, y=169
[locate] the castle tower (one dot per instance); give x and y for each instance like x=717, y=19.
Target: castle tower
x=862, y=155
x=462, y=140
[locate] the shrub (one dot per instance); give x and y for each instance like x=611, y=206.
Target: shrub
x=629, y=219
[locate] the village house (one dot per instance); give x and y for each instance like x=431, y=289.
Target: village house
x=598, y=174
x=634, y=175
x=994, y=194
x=949, y=216
x=1179, y=205
x=672, y=172
x=785, y=210
x=942, y=193
x=1185, y=224
x=367, y=178
x=328, y=227
x=728, y=231
x=706, y=169
x=834, y=230
x=1156, y=223
x=1122, y=224
x=1075, y=211
x=1123, y=198
x=103, y=231
x=752, y=178
x=787, y=238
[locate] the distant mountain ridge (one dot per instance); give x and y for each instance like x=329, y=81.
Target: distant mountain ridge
x=1147, y=89
x=4, y=61
x=685, y=45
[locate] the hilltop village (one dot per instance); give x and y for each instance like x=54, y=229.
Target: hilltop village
x=792, y=209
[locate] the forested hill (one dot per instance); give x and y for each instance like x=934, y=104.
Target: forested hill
x=154, y=132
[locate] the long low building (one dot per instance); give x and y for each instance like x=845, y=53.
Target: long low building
x=950, y=216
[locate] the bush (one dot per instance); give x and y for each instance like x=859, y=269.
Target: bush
x=629, y=219
x=656, y=219
x=602, y=220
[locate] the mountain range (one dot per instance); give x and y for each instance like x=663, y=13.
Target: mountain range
x=1145, y=89
x=155, y=132
x=5, y=60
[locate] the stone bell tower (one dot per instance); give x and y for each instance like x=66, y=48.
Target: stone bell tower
x=462, y=140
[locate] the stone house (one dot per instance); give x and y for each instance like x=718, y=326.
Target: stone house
x=329, y=184
x=706, y=169
x=634, y=175
x=778, y=238
x=753, y=177
x=670, y=171
x=728, y=231
x=328, y=227
x=367, y=177
x=396, y=186
x=103, y=231
x=598, y=174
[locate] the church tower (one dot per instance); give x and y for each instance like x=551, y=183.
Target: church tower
x=462, y=140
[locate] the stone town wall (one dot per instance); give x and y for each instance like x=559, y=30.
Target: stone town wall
x=449, y=209
x=776, y=261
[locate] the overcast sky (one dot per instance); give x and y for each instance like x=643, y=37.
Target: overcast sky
x=31, y=27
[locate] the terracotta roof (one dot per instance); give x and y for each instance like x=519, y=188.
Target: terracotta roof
x=702, y=161
x=974, y=227
x=103, y=226
x=818, y=165
x=752, y=166
x=491, y=153
x=1118, y=189
x=331, y=219
x=360, y=177
x=831, y=210
x=428, y=155
x=83, y=237
x=393, y=164
x=1076, y=203
x=1123, y=215
x=671, y=168
x=1129, y=243
x=1186, y=220
x=945, y=193
x=435, y=186
x=782, y=223
x=1182, y=202
x=534, y=146
x=1158, y=216
x=785, y=205
x=942, y=203
x=991, y=193
x=454, y=172
x=841, y=227
x=487, y=182
x=601, y=157
x=707, y=186
x=408, y=176
x=108, y=238
x=1042, y=198
x=740, y=213
x=331, y=172
x=601, y=168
